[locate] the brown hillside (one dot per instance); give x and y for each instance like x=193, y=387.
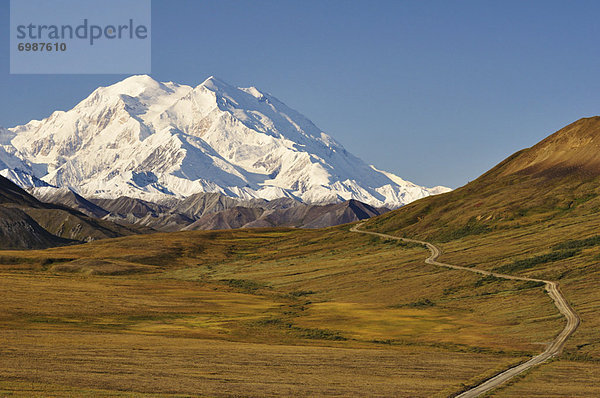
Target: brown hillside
x=573, y=149
x=558, y=177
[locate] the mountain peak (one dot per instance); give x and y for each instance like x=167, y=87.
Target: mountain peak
x=214, y=83
x=152, y=140
x=132, y=86
x=573, y=149
x=140, y=79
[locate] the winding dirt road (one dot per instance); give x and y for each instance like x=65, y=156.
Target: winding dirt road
x=554, y=348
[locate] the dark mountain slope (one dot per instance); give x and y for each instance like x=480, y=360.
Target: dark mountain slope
x=299, y=216
x=199, y=204
x=11, y=193
x=236, y=217
x=216, y=211
x=340, y=213
x=125, y=207
x=66, y=197
x=29, y=223
x=20, y=231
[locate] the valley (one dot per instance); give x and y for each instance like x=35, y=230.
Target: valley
x=311, y=302
x=267, y=199
x=218, y=295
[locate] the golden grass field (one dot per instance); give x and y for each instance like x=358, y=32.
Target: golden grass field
x=257, y=313
x=525, y=246
x=577, y=371
x=535, y=214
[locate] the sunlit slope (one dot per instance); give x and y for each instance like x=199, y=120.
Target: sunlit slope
x=536, y=214
x=557, y=178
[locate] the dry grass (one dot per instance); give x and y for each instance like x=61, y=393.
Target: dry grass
x=578, y=275
x=576, y=373
x=519, y=219
x=529, y=240
x=556, y=379
x=256, y=313
x=144, y=364
x=325, y=312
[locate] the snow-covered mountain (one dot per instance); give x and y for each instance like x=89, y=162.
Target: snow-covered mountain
x=151, y=140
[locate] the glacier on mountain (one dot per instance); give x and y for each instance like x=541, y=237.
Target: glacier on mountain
x=151, y=140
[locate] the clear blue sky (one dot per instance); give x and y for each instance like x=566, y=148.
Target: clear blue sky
x=434, y=91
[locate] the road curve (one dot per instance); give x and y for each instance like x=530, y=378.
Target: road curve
x=554, y=348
